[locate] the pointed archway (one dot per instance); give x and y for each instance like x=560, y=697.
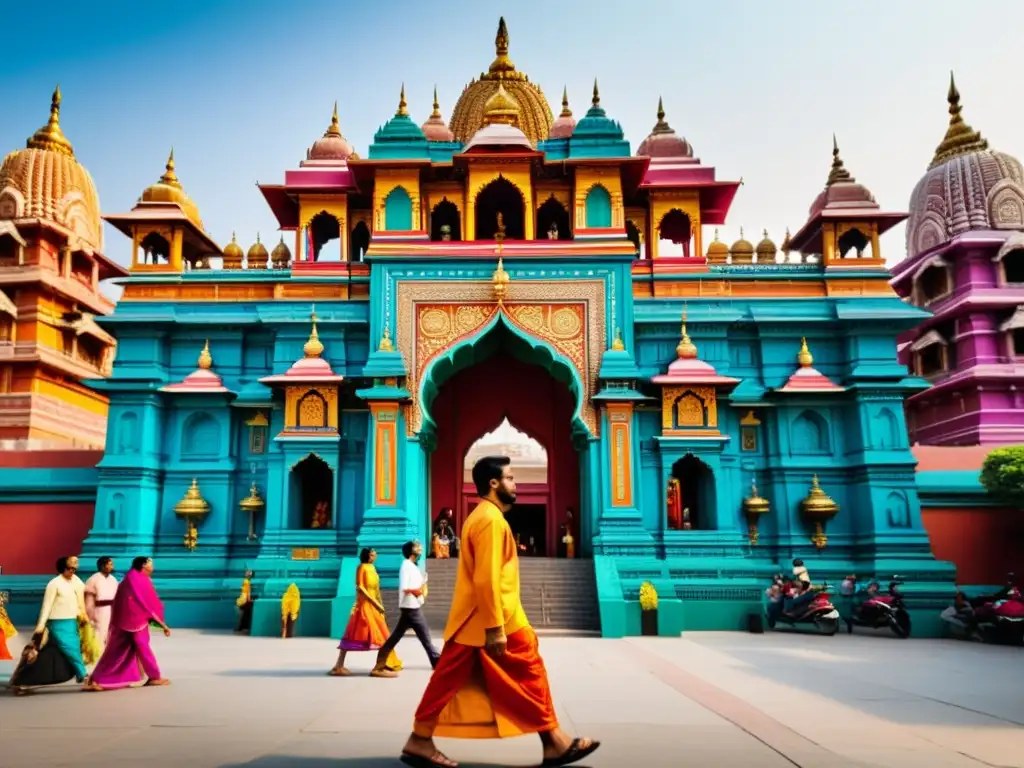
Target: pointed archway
x=478, y=386
x=312, y=494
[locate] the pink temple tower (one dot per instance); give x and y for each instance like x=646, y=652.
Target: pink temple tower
x=965, y=264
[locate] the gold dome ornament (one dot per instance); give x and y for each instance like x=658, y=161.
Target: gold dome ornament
x=499, y=282
x=686, y=349
x=817, y=509
x=205, y=358
x=804, y=357
x=718, y=252
x=233, y=254
x=766, y=250
x=50, y=138
x=313, y=346
x=192, y=508
x=281, y=256
x=742, y=251
x=169, y=190
x=257, y=256
x=252, y=504
x=501, y=108
x=754, y=507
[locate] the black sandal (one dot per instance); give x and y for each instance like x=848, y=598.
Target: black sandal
x=573, y=754
x=418, y=761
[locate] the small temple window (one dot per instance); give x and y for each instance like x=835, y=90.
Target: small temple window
x=1013, y=331
x=931, y=354
x=1013, y=267
x=933, y=282
x=675, y=235
x=314, y=493
x=323, y=229
x=359, y=243
x=444, y=222
x=599, y=207
x=553, y=221
x=500, y=206
x=691, y=495
x=398, y=211
x=154, y=249
x=854, y=244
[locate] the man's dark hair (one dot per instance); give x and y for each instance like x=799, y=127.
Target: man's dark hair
x=103, y=561
x=407, y=549
x=62, y=564
x=364, y=554
x=140, y=562
x=486, y=469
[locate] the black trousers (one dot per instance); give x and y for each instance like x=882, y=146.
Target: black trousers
x=410, y=618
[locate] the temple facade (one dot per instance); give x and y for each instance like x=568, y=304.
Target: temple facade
x=707, y=412
x=965, y=264
x=51, y=265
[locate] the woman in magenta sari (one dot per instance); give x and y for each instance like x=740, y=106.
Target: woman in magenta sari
x=128, y=657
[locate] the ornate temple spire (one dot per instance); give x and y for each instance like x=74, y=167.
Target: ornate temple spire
x=661, y=126
x=403, y=107
x=595, y=100
x=313, y=347
x=437, y=106
x=170, y=178
x=960, y=137
x=502, y=65
x=334, y=129
x=838, y=172
x=686, y=349
x=50, y=137
x=566, y=112
x=205, y=358
x=499, y=281
x=804, y=357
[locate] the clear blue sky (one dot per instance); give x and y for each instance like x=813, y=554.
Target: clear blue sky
x=241, y=89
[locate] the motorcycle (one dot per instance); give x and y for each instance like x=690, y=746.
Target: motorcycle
x=999, y=618
x=879, y=610
x=818, y=612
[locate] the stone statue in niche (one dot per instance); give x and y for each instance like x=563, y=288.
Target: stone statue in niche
x=446, y=232
x=321, y=516
x=690, y=411
x=675, y=505
x=553, y=231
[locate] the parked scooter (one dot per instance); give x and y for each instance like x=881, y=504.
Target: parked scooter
x=999, y=618
x=808, y=608
x=878, y=610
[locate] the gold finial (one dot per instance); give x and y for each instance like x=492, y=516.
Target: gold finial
x=403, y=107
x=313, y=347
x=741, y=233
x=566, y=112
x=170, y=177
x=595, y=100
x=502, y=64
x=205, y=358
x=686, y=349
x=765, y=234
x=716, y=234
x=661, y=111
x=960, y=138
x=786, y=247
x=818, y=508
x=838, y=171
x=753, y=507
x=253, y=502
x=437, y=105
x=804, y=357
x=50, y=137
x=385, y=341
x=334, y=129
x=499, y=282
x=618, y=345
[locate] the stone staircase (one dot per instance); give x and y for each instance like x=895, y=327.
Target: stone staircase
x=557, y=594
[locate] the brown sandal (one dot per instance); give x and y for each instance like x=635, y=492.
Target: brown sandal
x=342, y=672
x=436, y=760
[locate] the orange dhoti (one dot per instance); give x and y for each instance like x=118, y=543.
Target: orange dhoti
x=472, y=695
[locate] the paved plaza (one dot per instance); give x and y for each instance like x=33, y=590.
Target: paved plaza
x=706, y=699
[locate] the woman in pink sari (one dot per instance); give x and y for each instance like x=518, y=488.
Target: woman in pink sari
x=128, y=657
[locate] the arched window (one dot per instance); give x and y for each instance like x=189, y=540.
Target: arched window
x=599, y=207
x=553, y=221
x=500, y=198
x=200, y=436
x=444, y=222
x=398, y=211
x=809, y=435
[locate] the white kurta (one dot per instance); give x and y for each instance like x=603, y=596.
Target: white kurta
x=63, y=599
x=99, y=597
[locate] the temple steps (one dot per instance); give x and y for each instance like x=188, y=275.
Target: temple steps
x=557, y=594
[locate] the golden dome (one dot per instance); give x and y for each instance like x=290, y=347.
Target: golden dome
x=535, y=116
x=741, y=246
x=281, y=255
x=313, y=346
x=257, y=256
x=233, y=254
x=766, y=249
x=169, y=190
x=717, y=250
x=501, y=108
x=45, y=181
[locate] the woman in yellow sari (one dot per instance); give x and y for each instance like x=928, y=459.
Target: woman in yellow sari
x=367, y=628
x=7, y=632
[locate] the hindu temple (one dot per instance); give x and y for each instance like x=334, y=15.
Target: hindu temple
x=965, y=265
x=701, y=413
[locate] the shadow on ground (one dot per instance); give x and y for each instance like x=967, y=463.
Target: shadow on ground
x=287, y=761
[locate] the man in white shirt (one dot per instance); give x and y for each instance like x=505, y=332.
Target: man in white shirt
x=412, y=591
x=100, y=590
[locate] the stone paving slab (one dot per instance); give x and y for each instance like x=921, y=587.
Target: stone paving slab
x=706, y=699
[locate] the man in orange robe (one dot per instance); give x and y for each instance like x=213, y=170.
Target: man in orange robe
x=490, y=681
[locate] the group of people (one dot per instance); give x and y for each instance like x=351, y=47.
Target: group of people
x=489, y=680
x=99, y=618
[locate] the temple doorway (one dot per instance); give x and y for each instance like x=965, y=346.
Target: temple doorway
x=675, y=235
x=444, y=222
x=501, y=196
x=553, y=221
x=312, y=494
x=691, y=495
x=324, y=228
x=498, y=398
x=528, y=518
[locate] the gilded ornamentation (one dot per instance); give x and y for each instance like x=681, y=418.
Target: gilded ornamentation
x=312, y=410
x=470, y=306
x=685, y=407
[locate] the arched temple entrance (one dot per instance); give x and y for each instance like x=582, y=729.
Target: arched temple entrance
x=312, y=494
x=696, y=495
x=500, y=196
x=495, y=380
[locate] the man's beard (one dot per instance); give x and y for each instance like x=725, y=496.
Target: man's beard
x=505, y=497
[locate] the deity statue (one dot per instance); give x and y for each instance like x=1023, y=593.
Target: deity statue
x=553, y=231
x=567, y=537
x=321, y=517
x=499, y=233
x=446, y=232
x=686, y=519
x=675, y=506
